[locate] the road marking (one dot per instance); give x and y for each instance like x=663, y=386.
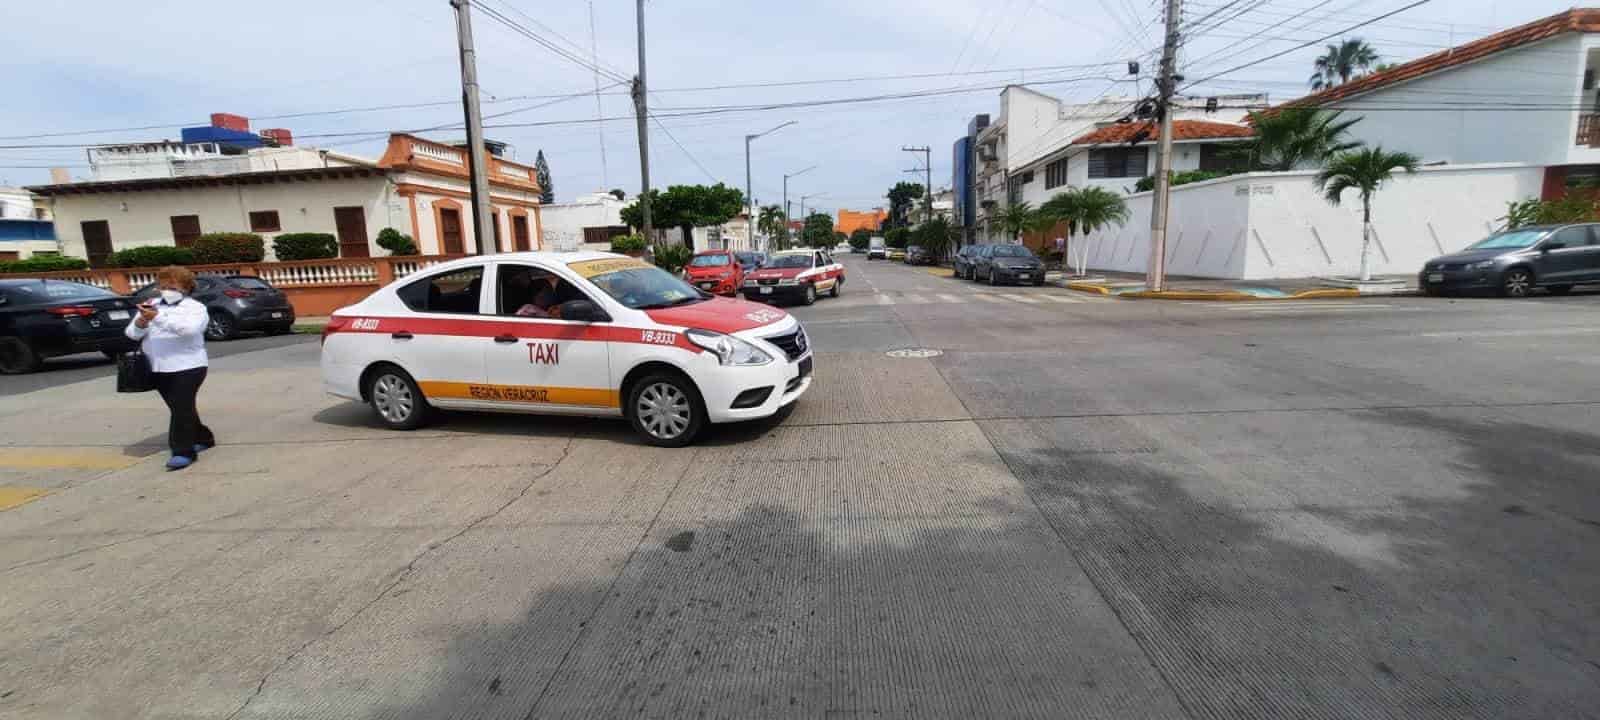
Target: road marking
x=1060, y=299
x=1513, y=333
x=884, y=299
x=11, y=497
x=950, y=298
x=1020, y=298
x=912, y=299
x=22, y=458
x=987, y=297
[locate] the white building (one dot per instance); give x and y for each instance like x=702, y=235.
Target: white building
x=25, y=226
x=1525, y=95
x=162, y=195
x=590, y=220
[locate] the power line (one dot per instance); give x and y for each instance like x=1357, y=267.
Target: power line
x=1281, y=53
x=686, y=152
x=550, y=45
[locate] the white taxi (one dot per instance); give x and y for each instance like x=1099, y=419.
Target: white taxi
x=591, y=334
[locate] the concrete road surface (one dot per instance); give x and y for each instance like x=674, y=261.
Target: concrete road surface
x=1082, y=507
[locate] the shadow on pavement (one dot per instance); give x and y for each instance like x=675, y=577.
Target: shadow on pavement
x=1473, y=602
x=357, y=415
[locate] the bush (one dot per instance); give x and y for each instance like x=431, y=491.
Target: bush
x=897, y=238
x=305, y=246
x=396, y=242
x=150, y=256
x=628, y=244
x=1185, y=177
x=1573, y=207
x=672, y=258
x=42, y=264
x=225, y=247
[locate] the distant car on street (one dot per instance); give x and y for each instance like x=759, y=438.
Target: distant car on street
x=795, y=276
x=918, y=255
x=965, y=260
x=997, y=264
x=718, y=272
x=237, y=304
x=1513, y=263
x=843, y=247
x=877, y=248
x=896, y=254
x=855, y=250
x=42, y=319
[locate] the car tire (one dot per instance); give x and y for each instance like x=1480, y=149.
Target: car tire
x=811, y=294
x=17, y=357
x=992, y=279
x=396, y=399
x=222, y=326
x=1516, y=283
x=1559, y=289
x=834, y=291
x=665, y=409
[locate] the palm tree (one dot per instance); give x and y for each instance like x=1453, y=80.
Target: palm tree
x=1085, y=210
x=770, y=220
x=1018, y=218
x=1298, y=136
x=1364, y=170
x=1351, y=58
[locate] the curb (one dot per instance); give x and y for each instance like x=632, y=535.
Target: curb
x=939, y=271
x=1216, y=295
x=1088, y=288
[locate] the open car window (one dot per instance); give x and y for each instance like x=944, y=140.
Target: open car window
x=456, y=291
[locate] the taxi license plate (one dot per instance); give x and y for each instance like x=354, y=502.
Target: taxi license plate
x=766, y=291
x=117, y=315
x=277, y=315
x=1435, y=277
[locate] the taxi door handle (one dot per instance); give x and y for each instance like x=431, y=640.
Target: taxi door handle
x=503, y=339
x=401, y=335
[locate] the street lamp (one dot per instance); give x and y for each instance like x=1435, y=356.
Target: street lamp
x=749, y=192
x=786, y=199
x=803, y=209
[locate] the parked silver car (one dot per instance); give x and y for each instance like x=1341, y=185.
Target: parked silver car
x=1515, y=262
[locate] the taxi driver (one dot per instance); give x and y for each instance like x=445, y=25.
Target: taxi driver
x=537, y=296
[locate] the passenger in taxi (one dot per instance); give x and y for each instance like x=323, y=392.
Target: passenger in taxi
x=531, y=295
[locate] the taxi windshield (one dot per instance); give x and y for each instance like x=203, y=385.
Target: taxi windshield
x=790, y=261
x=709, y=261
x=637, y=285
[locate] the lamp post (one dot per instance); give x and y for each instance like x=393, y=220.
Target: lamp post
x=786, y=200
x=803, y=211
x=749, y=191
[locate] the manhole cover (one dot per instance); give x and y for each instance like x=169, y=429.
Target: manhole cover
x=915, y=353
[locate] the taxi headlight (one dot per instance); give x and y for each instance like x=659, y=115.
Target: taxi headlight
x=728, y=349
x=788, y=281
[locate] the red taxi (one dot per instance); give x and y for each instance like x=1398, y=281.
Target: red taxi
x=715, y=271
x=795, y=276
x=591, y=334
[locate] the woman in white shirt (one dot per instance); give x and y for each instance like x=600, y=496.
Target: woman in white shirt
x=172, y=328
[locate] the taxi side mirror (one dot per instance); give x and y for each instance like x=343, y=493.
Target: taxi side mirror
x=583, y=311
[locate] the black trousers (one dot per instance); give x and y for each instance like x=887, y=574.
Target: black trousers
x=178, y=390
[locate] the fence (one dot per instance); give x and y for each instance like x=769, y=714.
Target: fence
x=314, y=287
x=1259, y=226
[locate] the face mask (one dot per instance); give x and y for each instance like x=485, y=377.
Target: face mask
x=171, y=297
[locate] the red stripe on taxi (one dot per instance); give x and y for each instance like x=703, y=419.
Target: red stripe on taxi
x=488, y=328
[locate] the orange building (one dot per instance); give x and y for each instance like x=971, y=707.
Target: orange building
x=850, y=220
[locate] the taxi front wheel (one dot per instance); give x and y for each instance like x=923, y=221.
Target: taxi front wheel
x=396, y=399
x=666, y=410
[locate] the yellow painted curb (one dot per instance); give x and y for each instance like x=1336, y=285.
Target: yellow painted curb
x=939, y=271
x=1189, y=295
x=1089, y=288
x=11, y=497
x=24, y=458
x=1328, y=293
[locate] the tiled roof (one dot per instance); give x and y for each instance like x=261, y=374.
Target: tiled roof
x=1574, y=20
x=1181, y=130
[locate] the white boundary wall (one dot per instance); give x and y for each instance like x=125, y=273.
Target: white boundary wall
x=1262, y=226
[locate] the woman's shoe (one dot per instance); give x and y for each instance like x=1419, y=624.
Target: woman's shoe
x=200, y=448
x=179, y=462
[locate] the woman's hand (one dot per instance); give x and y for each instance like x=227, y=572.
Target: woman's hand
x=146, y=314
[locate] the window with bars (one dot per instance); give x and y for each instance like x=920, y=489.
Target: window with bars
x=1055, y=174
x=1015, y=185
x=1119, y=162
x=264, y=221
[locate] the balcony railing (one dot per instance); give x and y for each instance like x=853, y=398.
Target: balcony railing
x=1589, y=130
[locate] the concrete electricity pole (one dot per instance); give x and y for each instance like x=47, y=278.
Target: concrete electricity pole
x=927, y=165
x=786, y=203
x=477, y=157
x=1156, y=270
x=642, y=111
x=749, y=191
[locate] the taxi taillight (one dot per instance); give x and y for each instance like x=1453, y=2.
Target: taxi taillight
x=335, y=324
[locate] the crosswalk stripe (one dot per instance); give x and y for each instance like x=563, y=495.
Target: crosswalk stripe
x=949, y=298
x=986, y=297
x=913, y=299
x=1060, y=299
x=1021, y=299
x=885, y=299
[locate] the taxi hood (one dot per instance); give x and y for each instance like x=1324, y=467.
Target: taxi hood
x=723, y=315
x=777, y=272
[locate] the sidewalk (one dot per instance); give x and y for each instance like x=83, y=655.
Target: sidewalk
x=1179, y=287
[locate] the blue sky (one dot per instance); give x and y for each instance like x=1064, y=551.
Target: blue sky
x=103, y=64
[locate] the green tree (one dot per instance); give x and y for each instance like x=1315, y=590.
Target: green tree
x=770, y=221
x=541, y=172
x=901, y=197
x=1363, y=170
x=619, y=194
x=687, y=207
x=860, y=238
x=1020, y=217
x=1351, y=58
x=818, y=232
x=936, y=236
x=1086, y=209
x=1292, y=137
x=1569, y=208
x=897, y=237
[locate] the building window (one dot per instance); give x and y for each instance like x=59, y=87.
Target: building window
x=185, y=230
x=1119, y=162
x=1225, y=158
x=1055, y=174
x=264, y=221
x=1014, y=190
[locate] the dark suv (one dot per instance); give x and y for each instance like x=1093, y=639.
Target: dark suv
x=1514, y=262
x=998, y=264
x=237, y=304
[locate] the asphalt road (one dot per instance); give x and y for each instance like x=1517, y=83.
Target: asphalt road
x=1079, y=507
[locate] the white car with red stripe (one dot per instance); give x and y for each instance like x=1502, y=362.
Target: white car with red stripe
x=795, y=276
x=591, y=334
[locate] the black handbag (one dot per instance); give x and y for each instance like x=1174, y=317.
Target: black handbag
x=134, y=374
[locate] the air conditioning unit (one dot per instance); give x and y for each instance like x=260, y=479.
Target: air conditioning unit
x=987, y=153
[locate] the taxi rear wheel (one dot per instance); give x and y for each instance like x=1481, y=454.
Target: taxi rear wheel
x=665, y=410
x=811, y=294
x=396, y=399
x=834, y=291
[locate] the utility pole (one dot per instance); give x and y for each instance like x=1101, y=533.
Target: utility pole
x=749, y=191
x=786, y=202
x=1166, y=85
x=927, y=165
x=477, y=157
x=642, y=112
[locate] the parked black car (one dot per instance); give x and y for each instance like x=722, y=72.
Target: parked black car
x=998, y=264
x=1514, y=262
x=918, y=255
x=46, y=318
x=965, y=259
x=237, y=304
x=751, y=260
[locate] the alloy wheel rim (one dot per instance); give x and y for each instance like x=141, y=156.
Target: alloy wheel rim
x=663, y=410
x=1517, y=284
x=212, y=329
x=393, y=398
